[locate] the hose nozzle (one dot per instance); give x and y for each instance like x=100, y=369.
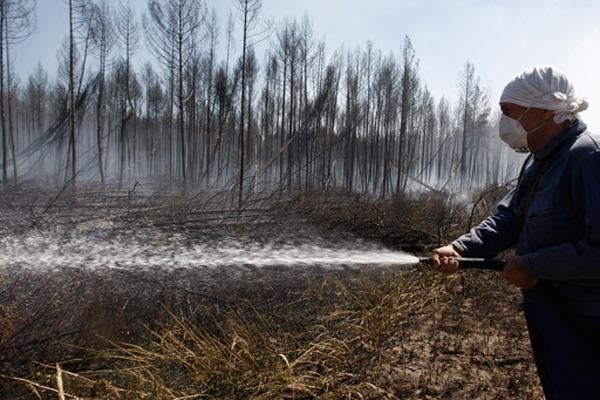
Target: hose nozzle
x=492, y=264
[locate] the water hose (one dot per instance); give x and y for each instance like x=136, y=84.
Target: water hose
x=492, y=264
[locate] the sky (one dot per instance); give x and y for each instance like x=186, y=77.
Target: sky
x=501, y=38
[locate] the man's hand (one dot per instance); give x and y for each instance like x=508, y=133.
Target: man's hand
x=444, y=260
x=516, y=274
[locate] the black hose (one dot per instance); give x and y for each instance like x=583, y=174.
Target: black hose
x=492, y=264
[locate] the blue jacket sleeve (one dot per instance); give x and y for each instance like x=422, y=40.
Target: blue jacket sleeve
x=577, y=259
x=494, y=234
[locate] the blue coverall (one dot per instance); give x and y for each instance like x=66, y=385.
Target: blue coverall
x=556, y=229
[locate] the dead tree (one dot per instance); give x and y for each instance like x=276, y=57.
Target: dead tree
x=154, y=97
x=17, y=21
x=474, y=111
x=34, y=99
x=80, y=22
x=213, y=35
x=249, y=10
x=408, y=87
x=466, y=84
x=104, y=37
x=72, y=5
x=128, y=38
x=173, y=33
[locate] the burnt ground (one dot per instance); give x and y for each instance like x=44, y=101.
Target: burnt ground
x=344, y=332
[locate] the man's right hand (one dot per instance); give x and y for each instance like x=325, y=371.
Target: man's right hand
x=444, y=260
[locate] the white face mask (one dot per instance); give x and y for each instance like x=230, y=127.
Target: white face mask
x=513, y=134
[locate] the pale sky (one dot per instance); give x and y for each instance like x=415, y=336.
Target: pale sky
x=501, y=37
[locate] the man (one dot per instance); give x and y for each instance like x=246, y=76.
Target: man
x=552, y=217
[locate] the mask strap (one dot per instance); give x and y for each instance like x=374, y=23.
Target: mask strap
x=524, y=112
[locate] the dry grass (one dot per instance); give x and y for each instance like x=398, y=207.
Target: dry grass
x=379, y=334
x=412, y=223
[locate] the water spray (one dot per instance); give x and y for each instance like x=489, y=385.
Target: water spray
x=146, y=250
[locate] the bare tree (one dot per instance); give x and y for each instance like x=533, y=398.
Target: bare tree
x=249, y=10
x=17, y=21
x=74, y=7
x=173, y=34
x=104, y=37
x=213, y=31
x=466, y=84
x=408, y=87
x=128, y=38
x=474, y=110
x=287, y=38
x=35, y=98
x=155, y=103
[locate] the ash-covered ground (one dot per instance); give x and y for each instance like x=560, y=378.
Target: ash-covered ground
x=83, y=269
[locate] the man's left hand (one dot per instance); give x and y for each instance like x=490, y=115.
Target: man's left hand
x=516, y=274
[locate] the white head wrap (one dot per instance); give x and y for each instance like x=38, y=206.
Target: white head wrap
x=547, y=88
